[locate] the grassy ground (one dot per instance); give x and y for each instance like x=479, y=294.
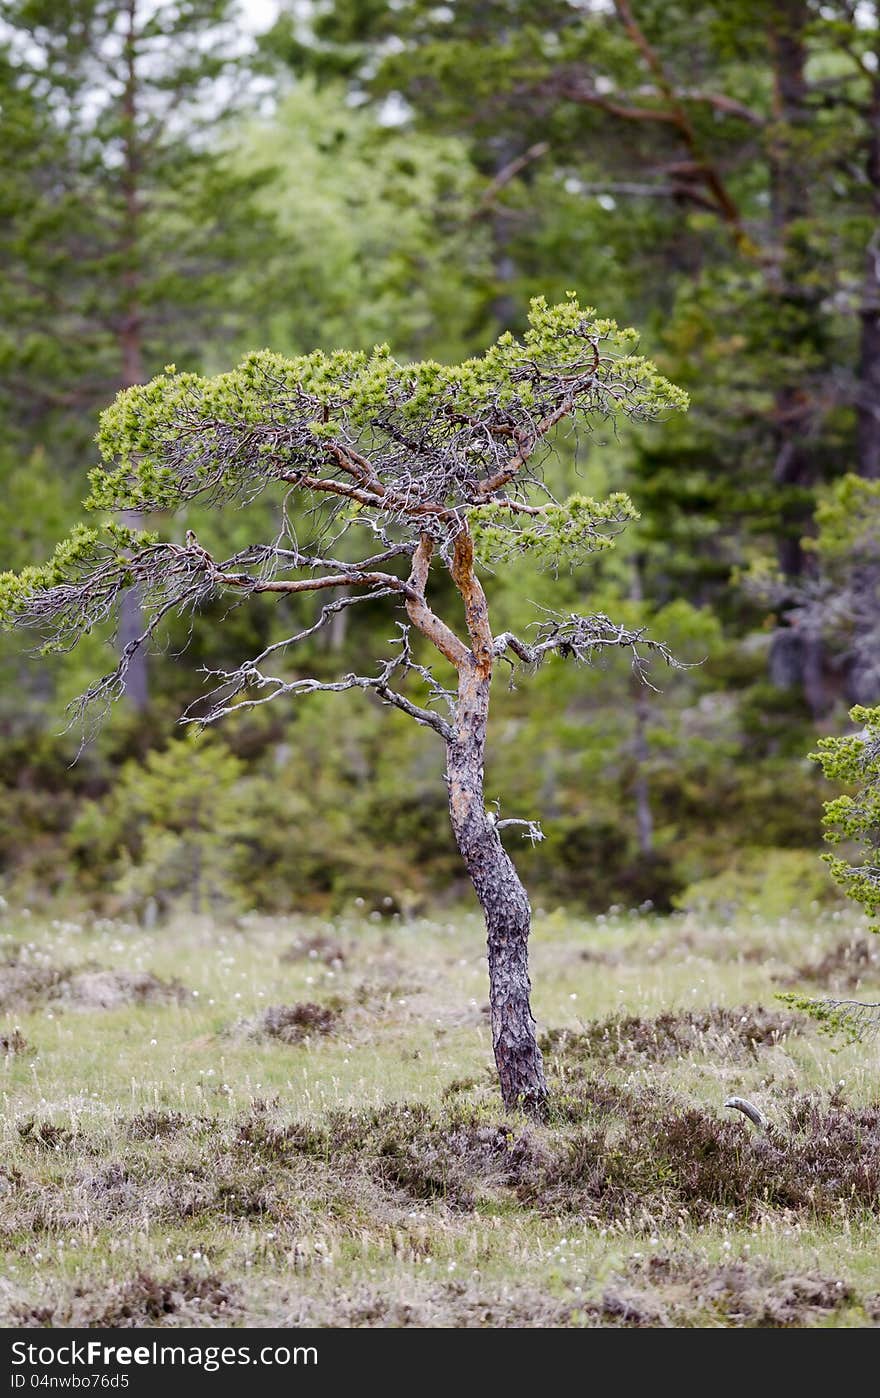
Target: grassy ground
x=294, y=1122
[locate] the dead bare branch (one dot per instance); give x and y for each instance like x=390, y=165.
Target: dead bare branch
x=507, y=173
x=584, y=639
x=754, y=1114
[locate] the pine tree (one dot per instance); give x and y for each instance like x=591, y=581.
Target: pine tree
x=424, y=469
x=126, y=228
x=742, y=139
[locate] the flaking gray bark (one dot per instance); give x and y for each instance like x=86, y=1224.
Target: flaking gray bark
x=502, y=897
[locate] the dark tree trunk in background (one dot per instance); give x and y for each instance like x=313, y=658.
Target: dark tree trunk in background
x=863, y=673
x=337, y=631
x=868, y=401
x=796, y=657
x=131, y=621
x=502, y=897
x=641, y=756
x=506, y=308
x=131, y=625
x=868, y=384
x=640, y=748
x=131, y=346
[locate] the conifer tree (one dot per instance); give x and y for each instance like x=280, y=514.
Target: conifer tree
x=126, y=228
x=743, y=138
x=409, y=469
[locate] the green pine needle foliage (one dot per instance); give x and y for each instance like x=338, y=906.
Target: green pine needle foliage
x=854, y=818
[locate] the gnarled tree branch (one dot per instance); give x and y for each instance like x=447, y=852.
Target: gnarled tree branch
x=583, y=639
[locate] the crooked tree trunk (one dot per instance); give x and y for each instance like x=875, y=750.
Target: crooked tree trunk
x=502, y=897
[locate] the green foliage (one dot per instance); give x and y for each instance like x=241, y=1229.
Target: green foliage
x=36, y=505
x=123, y=219
x=762, y=881
x=179, y=828
x=708, y=189
x=83, y=550
x=833, y=1018
x=378, y=229
x=201, y=826
x=594, y=863
x=854, y=819
x=847, y=516
x=352, y=387
x=561, y=534
x=328, y=223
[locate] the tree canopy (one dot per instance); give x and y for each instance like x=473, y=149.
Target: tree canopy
x=405, y=456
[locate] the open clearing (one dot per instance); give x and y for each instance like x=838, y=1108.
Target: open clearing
x=295, y=1122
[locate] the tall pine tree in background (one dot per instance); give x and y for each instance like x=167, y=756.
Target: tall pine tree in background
x=710, y=172
x=732, y=148
x=126, y=228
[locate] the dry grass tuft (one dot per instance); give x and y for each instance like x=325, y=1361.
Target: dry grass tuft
x=152, y=1126
x=108, y=990
x=456, y=1306
x=28, y=978
x=185, y=1300
x=144, y=1301
x=844, y=966
x=45, y=1135
x=651, y=1155
x=319, y=947
x=725, y=1033
x=740, y=1293
x=158, y=1171
x=291, y=1024
x=14, y=1042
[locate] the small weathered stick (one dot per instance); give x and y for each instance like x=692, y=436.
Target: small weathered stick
x=750, y=1110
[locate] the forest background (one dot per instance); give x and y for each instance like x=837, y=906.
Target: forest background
x=184, y=181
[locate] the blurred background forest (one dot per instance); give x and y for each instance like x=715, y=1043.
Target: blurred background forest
x=183, y=180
